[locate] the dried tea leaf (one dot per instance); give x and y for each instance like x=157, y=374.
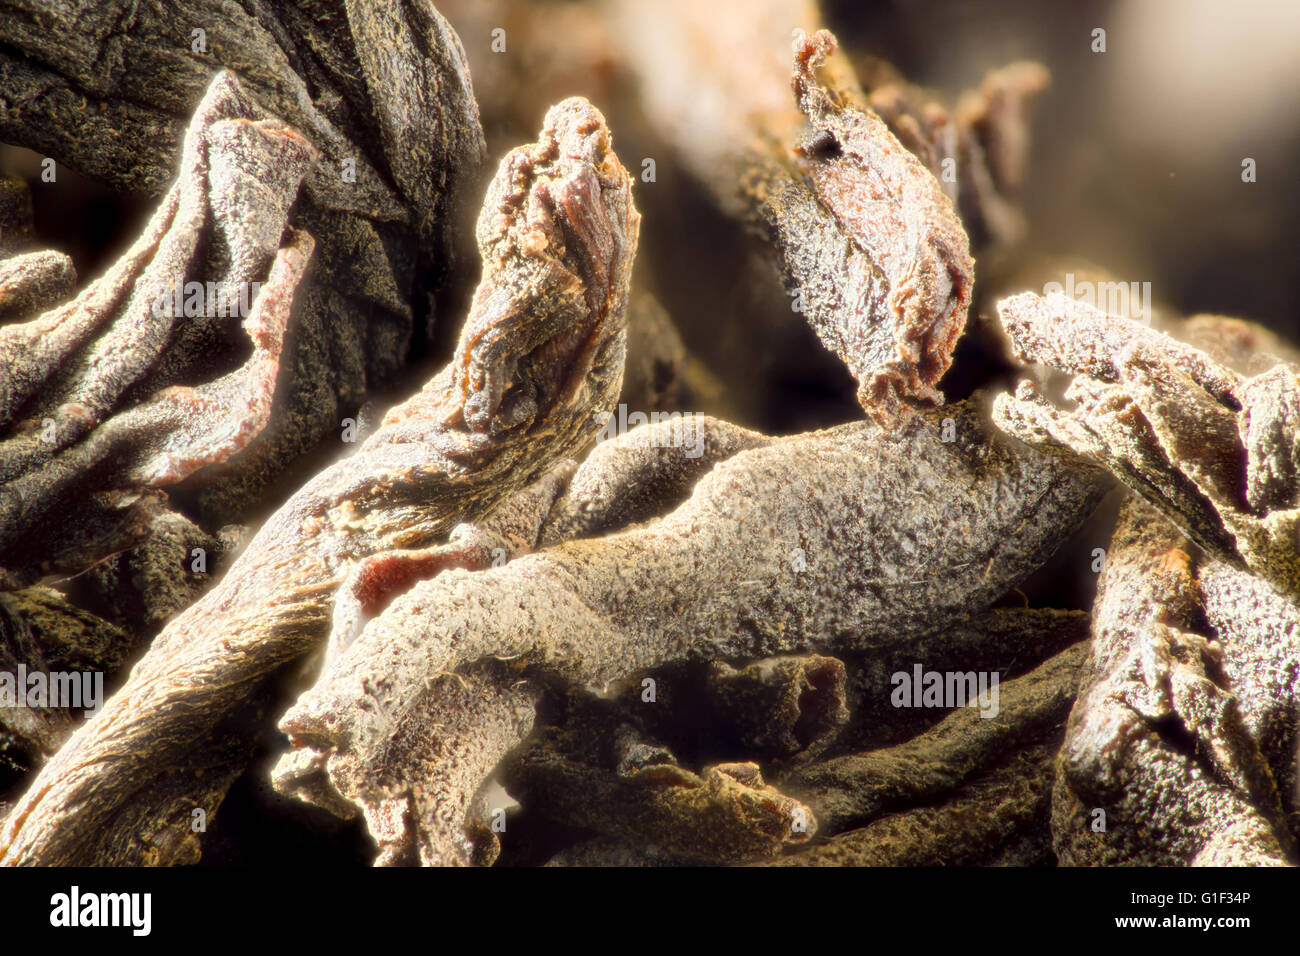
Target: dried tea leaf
x=997, y=819
x=905, y=286
x=145, y=587
x=425, y=810
x=1011, y=641
x=725, y=814
x=1259, y=629
x=781, y=708
x=15, y=217
x=978, y=149
x=1158, y=740
x=42, y=633
x=33, y=281
x=1215, y=452
x=127, y=387
x=776, y=551
x=1072, y=335
x=853, y=790
x=863, y=232
x=597, y=771
x=382, y=94
x=541, y=352
x=642, y=474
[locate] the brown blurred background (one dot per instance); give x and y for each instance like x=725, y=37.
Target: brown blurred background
x=1137, y=151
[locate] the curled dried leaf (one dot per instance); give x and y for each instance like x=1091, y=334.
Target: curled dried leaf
x=541, y=352
x=777, y=550
x=995, y=819
x=42, y=633
x=870, y=240
x=1215, y=452
x=608, y=779
x=147, y=375
x=381, y=93
x=863, y=233
x=1160, y=740
x=781, y=708
x=853, y=790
